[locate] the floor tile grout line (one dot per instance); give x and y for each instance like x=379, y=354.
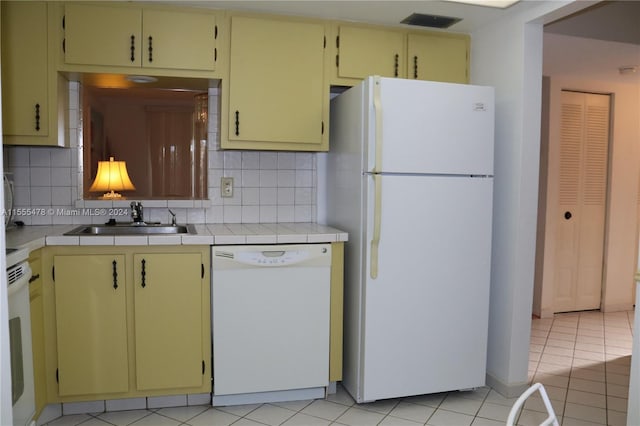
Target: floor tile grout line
x=566, y=395
x=605, y=382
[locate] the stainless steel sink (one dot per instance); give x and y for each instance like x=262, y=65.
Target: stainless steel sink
x=132, y=229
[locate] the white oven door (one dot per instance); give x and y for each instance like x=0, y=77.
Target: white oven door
x=22, y=387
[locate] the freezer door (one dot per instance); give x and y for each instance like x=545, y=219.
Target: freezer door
x=425, y=314
x=429, y=127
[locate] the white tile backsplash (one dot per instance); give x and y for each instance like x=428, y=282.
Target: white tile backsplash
x=40, y=176
x=269, y=186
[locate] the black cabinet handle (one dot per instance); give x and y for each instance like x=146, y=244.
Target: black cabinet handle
x=395, y=66
x=34, y=278
x=215, y=54
x=144, y=273
x=115, y=275
x=415, y=67
x=38, y=117
x=237, y=123
x=150, y=49
x=567, y=215
x=133, y=48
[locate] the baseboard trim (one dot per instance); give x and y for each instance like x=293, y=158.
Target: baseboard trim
x=618, y=307
x=547, y=313
x=506, y=390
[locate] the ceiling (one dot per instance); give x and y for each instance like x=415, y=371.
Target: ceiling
x=595, y=43
x=608, y=20
x=377, y=11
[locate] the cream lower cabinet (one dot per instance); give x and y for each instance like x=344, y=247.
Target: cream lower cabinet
x=37, y=330
x=168, y=320
x=91, y=324
x=277, y=98
x=127, y=322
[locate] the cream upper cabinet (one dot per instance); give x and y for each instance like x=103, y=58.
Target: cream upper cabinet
x=24, y=60
x=362, y=52
x=277, y=97
x=438, y=57
x=30, y=84
x=91, y=324
x=120, y=36
x=179, y=40
x=168, y=320
x=102, y=35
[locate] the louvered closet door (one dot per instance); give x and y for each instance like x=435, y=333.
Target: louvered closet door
x=584, y=142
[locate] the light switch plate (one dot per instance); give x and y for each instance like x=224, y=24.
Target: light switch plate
x=226, y=187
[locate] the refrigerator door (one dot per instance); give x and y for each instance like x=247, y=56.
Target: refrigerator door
x=429, y=127
x=424, y=319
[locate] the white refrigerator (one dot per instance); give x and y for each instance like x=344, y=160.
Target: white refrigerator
x=410, y=177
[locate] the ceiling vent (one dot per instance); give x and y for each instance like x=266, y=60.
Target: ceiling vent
x=431, y=21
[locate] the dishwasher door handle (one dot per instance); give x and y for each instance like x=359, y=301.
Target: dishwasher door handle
x=273, y=253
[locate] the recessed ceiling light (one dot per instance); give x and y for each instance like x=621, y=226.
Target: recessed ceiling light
x=502, y=4
x=141, y=79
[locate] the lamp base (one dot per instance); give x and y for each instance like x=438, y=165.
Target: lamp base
x=112, y=196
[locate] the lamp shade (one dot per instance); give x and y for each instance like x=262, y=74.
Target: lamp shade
x=112, y=176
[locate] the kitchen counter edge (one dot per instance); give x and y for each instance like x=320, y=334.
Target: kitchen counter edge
x=34, y=237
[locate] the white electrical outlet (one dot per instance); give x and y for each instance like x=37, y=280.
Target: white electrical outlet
x=226, y=187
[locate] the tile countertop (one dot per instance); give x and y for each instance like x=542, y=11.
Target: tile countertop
x=37, y=236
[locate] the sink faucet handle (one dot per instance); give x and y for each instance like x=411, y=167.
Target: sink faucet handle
x=173, y=218
x=134, y=211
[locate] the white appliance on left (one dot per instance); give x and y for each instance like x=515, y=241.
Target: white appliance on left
x=22, y=386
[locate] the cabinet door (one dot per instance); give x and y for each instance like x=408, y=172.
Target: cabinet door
x=102, y=35
x=91, y=324
x=276, y=81
x=438, y=58
x=24, y=69
x=366, y=51
x=36, y=307
x=168, y=320
x=179, y=40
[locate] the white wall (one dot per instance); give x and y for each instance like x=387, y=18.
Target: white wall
x=508, y=55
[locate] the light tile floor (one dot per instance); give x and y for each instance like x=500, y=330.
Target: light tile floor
x=582, y=359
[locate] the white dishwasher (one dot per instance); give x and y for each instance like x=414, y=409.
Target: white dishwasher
x=270, y=313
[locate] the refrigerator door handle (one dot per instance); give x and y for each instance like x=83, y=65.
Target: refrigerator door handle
x=377, y=213
x=377, y=108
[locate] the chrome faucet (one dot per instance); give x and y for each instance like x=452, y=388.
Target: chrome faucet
x=136, y=212
x=173, y=218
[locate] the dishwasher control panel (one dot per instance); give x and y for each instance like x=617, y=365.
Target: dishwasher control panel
x=265, y=256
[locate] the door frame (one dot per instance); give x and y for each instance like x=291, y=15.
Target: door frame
x=543, y=297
